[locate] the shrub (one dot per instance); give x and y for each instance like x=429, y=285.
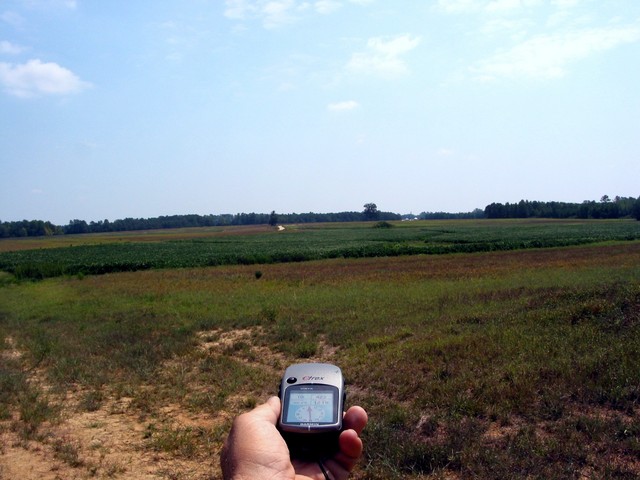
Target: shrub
x=383, y=225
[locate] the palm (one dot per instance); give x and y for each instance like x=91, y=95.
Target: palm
x=255, y=448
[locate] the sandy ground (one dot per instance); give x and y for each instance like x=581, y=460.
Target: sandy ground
x=112, y=441
x=108, y=444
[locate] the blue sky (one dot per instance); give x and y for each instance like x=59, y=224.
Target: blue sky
x=139, y=109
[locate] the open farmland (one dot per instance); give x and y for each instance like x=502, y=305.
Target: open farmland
x=132, y=251
x=498, y=363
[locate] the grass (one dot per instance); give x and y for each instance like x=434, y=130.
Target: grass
x=22, y=404
x=180, y=441
x=504, y=364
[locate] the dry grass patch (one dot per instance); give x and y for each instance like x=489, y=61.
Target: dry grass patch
x=121, y=436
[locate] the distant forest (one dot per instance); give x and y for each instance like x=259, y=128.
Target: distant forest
x=35, y=228
x=606, y=208
x=618, y=207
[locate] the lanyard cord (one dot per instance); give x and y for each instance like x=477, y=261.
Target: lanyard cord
x=324, y=470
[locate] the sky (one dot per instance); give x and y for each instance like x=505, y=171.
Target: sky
x=145, y=108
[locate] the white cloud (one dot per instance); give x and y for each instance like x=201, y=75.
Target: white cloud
x=383, y=56
x=276, y=13
x=273, y=13
x=343, y=106
x=565, y=3
x=8, y=48
x=460, y=6
x=180, y=39
x=12, y=18
x=394, y=46
x=515, y=29
x=506, y=6
x=548, y=56
x=502, y=5
x=70, y=4
x=236, y=9
x=326, y=6
x=36, y=78
x=489, y=6
x=445, y=152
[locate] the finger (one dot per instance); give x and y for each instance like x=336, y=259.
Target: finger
x=350, y=446
x=274, y=404
x=347, y=457
x=350, y=450
x=269, y=411
x=356, y=419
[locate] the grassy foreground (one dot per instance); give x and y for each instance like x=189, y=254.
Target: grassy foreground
x=515, y=364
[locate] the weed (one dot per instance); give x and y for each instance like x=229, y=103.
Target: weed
x=305, y=348
x=183, y=441
x=34, y=410
x=287, y=330
x=236, y=348
x=12, y=385
x=222, y=376
x=113, y=469
x=177, y=441
x=91, y=401
x=67, y=452
x=249, y=403
x=269, y=314
x=376, y=343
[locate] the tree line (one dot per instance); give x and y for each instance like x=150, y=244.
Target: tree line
x=476, y=213
x=618, y=207
x=36, y=228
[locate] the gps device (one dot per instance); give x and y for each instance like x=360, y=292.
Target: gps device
x=312, y=397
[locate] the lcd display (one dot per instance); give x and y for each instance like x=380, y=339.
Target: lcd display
x=311, y=406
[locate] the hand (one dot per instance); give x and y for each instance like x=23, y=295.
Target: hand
x=256, y=450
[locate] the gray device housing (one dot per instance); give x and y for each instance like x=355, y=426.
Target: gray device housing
x=320, y=379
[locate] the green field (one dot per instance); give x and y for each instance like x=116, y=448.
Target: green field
x=98, y=254
x=499, y=361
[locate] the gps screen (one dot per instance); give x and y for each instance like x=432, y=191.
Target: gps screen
x=315, y=405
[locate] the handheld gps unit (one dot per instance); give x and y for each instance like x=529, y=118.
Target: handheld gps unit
x=312, y=397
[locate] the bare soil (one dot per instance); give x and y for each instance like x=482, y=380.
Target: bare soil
x=109, y=442
x=113, y=441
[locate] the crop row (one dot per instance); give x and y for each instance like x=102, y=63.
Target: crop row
x=314, y=243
